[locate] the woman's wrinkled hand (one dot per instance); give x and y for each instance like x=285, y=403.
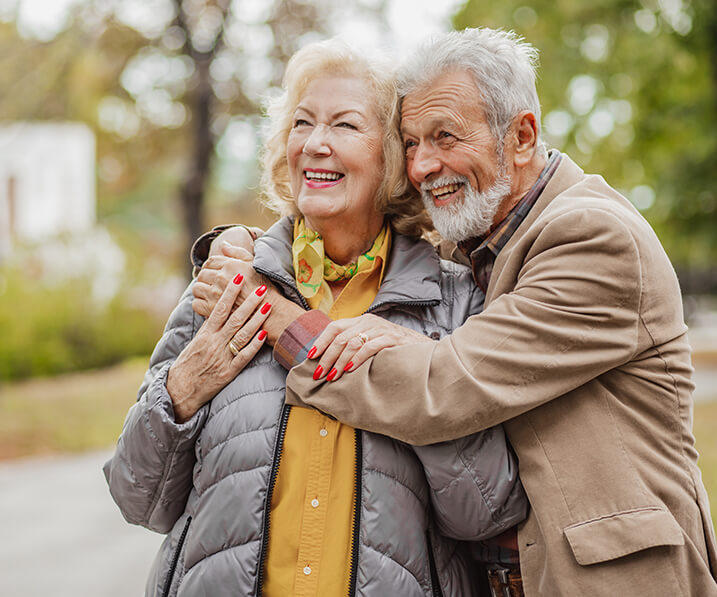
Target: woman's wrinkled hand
x=218, y=271
x=223, y=346
x=346, y=344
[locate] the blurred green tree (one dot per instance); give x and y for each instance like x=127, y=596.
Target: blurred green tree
x=629, y=90
x=161, y=82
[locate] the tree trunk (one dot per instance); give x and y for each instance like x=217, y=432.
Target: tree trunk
x=194, y=187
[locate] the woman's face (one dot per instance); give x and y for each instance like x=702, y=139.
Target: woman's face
x=335, y=152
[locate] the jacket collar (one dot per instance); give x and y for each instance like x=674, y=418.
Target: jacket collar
x=412, y=274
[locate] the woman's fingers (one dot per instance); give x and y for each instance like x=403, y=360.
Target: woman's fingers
x=327, y=337
x=343, y=337
x=247, y=319
x=356, y=353
x=243, y=356
x=222, y=310
x=353, y=342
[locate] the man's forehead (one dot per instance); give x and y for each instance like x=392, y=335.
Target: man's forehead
x=448, y=99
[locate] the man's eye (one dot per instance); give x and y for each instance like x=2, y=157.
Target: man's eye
x=445, y=135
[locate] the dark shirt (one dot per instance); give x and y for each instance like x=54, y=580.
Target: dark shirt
x=482, y=252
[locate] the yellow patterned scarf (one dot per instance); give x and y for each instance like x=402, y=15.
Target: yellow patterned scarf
x=312, y=268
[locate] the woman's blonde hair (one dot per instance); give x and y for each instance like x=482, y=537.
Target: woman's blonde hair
x=395, y=198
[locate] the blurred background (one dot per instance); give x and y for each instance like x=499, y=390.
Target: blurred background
x=128, y=127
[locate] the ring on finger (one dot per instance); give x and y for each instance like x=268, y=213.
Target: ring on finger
x=363, y=337
x=233, y=348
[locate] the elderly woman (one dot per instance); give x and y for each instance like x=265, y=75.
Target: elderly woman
x=258, y=498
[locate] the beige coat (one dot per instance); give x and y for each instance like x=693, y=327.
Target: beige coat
x=581, y=351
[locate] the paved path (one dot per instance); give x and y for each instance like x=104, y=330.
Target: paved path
x=63, y=536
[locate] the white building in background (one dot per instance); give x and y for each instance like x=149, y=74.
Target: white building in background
x=47, y=181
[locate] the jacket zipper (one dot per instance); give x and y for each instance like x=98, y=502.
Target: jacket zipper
x=284, y=284
x=398, y=303
x=358, y=485
x=358, y=456
x=435, y=580
x=267, y=505
x=175, y=559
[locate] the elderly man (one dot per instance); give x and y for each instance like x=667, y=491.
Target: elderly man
x=581, y=350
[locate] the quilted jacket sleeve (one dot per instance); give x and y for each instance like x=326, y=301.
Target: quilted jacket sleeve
x=475, y=488
x=150, y=473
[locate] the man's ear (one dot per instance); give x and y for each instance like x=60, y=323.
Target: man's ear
x=525, y=137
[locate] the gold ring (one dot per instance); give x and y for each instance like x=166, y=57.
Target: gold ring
x=233, y=347
x=363, y=337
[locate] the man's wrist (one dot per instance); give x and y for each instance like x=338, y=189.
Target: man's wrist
x=283, y=313
x=298, y=337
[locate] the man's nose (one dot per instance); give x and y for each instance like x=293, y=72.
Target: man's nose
x=424, y=163
x=318, y=142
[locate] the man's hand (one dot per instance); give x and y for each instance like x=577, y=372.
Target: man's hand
x=346, y=344
x=216, y=274
x=224, y=262
x=232, y=251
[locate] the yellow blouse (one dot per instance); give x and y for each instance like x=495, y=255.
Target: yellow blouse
x=312, y=506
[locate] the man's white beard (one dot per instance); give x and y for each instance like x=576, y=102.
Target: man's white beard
x=473, y=216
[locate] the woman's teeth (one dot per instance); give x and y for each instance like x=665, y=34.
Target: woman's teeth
x=322, y=175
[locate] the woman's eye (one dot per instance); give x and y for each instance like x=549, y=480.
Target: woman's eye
x=346, y=125
x=301, y=122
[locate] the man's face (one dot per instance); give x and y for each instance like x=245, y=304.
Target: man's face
x=452, y=156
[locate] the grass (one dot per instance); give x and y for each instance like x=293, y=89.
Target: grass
x=85, y=411
x=68, y=413
x=704, y=428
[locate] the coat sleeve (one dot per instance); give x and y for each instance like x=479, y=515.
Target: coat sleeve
x=473, y=481
x=150, y=473
x=573, y=314
x=475, y=489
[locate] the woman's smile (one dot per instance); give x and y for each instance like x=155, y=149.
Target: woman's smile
x=318, y=178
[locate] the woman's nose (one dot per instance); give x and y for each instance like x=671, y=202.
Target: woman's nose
x=318, y=142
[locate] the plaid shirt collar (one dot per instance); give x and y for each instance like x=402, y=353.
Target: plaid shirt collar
x=482, y=252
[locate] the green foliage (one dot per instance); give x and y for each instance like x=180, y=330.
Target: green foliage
x=51, y=329
x=649, y=127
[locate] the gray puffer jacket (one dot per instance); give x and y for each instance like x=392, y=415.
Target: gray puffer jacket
x=208, y=482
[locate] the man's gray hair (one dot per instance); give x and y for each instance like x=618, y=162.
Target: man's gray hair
x=503, y=66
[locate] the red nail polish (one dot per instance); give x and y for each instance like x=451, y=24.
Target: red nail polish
x=348, y=367
x=261, y=290
x=262, y=335
x=312, y=352
x=318, y=372
x=332, y=374
x=238, y=279
x=265, y=308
